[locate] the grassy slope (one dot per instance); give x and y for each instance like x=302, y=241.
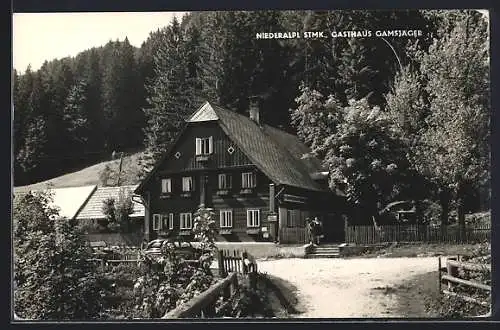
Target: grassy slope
x=90, y=175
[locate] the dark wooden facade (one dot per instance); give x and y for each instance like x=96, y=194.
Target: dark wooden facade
x=278, y=205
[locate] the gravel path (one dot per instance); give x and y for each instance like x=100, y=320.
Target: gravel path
x=330, y=288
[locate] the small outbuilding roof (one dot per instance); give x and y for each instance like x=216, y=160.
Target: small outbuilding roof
x=67, y=200
x=93, y=208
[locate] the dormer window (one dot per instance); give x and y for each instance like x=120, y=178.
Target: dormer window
x=166, y=186
x=204, y=146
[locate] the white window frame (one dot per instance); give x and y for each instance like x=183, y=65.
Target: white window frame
x=204, y=146
x=167, y=221
x=187, y=183
x=170, y=221
x=248, y=180
x=251, y=222
x=225, y=178
x=182, y=221
x=156, y=222
x=224, y=221
x=166, y=185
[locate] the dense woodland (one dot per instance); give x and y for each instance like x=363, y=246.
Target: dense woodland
x=392, y=118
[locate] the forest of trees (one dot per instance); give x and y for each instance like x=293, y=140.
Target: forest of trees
x=415, y=109
x=74, y=111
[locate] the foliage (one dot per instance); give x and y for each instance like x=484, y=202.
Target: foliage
x=172, y=93
x=446, y=97
x=54, y=280
x=213, y=56
x=117, y=211
x=168, y=280
x=358, y=144
x=251, y=300
x=456, y=307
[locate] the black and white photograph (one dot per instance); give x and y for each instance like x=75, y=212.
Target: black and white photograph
x=265, y=164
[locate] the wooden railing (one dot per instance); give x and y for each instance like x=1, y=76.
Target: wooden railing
x=230, y=263
x=203, y=305
x=414, y=233
x=448, y=275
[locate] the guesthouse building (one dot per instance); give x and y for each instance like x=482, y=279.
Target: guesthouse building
x=261, y=182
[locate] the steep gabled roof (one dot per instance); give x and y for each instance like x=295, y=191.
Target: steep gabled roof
x=93, y=208
x=279, y=155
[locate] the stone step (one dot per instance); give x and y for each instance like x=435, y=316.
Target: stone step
x=322, y=255
x=326, y=250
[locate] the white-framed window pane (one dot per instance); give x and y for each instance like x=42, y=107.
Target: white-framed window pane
x=253, y=218
x=204, y=146
x=186, y=221
x=226, y=218
x=225, y=181
x=170, y=221
x=156, y=221
x=198, y=146
x=166, y=185
x=164, y=221
x=187, y=183
x=248, y=180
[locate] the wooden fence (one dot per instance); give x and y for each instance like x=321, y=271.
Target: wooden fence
x=414, y=233
x=203, y=305
x=293, y=235
x=235, y=261
x=448, y=275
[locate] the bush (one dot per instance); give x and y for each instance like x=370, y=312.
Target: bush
x=250, y=301
x=168, y=281
x=54, y=279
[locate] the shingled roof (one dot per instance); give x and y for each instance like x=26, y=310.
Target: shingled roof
x=93, y=208
x=279, y=155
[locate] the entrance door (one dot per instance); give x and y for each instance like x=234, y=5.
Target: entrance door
x=333, y=229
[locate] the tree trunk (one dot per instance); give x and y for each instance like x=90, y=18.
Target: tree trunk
x=461, y=212
x=444, y=201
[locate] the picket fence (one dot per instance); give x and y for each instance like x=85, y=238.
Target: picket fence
x=415, y=233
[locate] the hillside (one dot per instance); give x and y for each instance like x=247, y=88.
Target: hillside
x=91, y=175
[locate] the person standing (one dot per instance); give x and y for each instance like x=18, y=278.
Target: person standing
x=317, y=230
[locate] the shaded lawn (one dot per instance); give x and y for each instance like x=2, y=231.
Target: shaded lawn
x=421, y=250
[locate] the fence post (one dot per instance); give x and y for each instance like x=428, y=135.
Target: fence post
x=439, y=274
x=222, y=271
x=451, y=270
x=244, y=268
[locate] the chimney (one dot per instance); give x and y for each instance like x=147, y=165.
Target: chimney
x=254, y=109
